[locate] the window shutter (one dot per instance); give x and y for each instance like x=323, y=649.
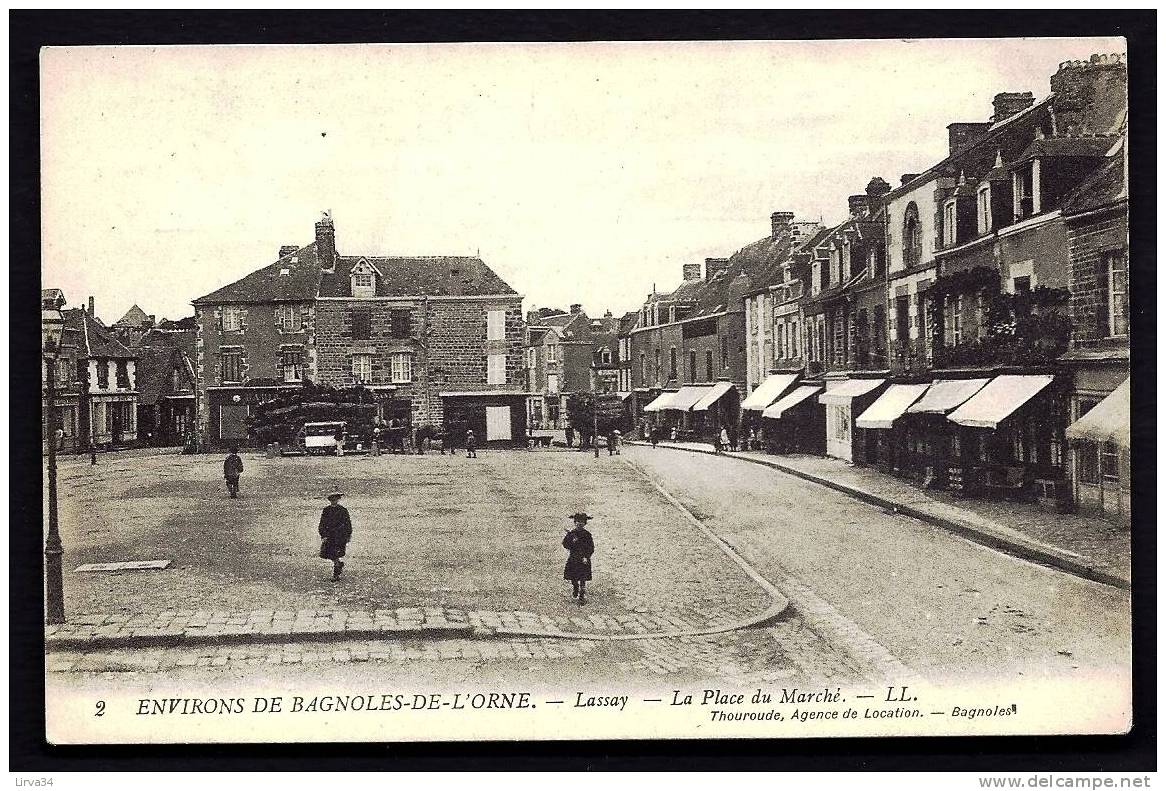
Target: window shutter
x=219, y=319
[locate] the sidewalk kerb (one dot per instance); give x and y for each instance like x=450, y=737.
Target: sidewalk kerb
x=1041, y=555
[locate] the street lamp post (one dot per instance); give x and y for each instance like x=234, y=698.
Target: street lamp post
x=54, y=582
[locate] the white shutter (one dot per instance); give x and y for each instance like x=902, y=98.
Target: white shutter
x=496, y=325
x=497, y=423
x=496, y=369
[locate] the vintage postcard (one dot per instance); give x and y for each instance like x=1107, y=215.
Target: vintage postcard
x=586, y=390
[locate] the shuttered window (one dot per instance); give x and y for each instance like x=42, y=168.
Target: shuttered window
x=361, y=324
x=496, y=369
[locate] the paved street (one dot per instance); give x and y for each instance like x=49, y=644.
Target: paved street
x=940, y=604
x=870, y=591
x=479, y=535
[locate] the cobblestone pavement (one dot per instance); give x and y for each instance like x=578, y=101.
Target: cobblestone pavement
x=440, y=538
x=784, y=651
x=1099, y=543
x=938, y=604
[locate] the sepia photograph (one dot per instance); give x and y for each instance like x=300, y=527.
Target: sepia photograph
x=586, y=390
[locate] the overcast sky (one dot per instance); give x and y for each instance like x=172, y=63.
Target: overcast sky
x=581, y=172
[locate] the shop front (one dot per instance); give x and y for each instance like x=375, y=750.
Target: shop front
x=496, y=417
x=230, y=409
x=772, y=388
x=719, y=407
x=1099, y=443
x=1011, y=440
x=795, y=423
x=883, y=433
x=931, y=452
x=844, y=401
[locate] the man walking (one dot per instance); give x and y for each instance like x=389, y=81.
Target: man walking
x=336, y=530
x=232, y=469
x=471, y=445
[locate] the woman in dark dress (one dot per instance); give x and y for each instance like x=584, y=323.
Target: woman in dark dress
x=336, y=530
x=580, y=546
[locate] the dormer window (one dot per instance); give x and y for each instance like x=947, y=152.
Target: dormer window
x=984, y=210
x=949, y=224
x=364, y=282
x=1025, y=202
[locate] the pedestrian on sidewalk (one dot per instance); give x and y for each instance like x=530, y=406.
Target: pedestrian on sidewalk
x=232, y=469
x=570, y=436
x=654, y=435
x=723, y=440
x=471, y=445
x=580, y=547
x=618, y=440
x=336, y=530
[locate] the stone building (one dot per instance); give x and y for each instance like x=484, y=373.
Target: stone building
x=436, y=340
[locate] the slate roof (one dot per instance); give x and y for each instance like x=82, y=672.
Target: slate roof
x=95, y=339
x=1067, y=147
x=431, y=276
x=134, y=317
x=152, y=372
x=300, y=284
x=1102, y=187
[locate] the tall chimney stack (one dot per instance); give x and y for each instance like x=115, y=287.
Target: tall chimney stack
x=1006, y=105
x=576, y=308
x=91, y=313
x=714, y=265
x=326, y=243
x=779, y=222
x=692, y=271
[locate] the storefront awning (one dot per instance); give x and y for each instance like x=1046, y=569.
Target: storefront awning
x=687, y=398
x=890, y=405
x=848, y=390
x=999, y=399
x=715, y=394
x=944, y=395
x=790, y=401
x=768, y=391
x=1109, y=421
x=661, y=402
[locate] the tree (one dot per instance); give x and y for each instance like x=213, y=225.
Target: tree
x=280, y=418
x=582, y=415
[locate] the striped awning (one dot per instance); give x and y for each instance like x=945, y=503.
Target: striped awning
x=848, y=390
x=715, y=394
x=660, y=402
x=888, y=407
x=789, y=401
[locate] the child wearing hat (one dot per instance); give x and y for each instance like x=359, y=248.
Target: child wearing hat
x=580, y=547
x=336, y=530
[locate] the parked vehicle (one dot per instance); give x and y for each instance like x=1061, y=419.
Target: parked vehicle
x=320, y=438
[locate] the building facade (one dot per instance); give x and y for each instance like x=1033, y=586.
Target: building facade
x=435, y=340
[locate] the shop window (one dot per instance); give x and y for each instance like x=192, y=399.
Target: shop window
x=1109, y=461
x=103, y=374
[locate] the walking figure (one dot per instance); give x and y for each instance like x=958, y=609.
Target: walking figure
x=471, y=445
x=580, y=547
x=723, y=439
x=336, y=530
x=232, y=469
x=570, y=436
x=654, y=435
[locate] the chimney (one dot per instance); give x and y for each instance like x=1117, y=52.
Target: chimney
x=876, y=188
x=780, y=221
x=692, y=271
x=962, y=135
x=858, y=205
x=326, y=243
x=1006, y=105
x=1088, y=95
x=91, y=313
x=576, y=308
x=906, y=177
x=607, y=314
x=288, y=249
x=151, y=320
x=714, y=265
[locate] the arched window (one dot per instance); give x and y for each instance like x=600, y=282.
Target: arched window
x=912, y=235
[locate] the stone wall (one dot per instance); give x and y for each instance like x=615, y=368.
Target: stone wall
x=1089, y=241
